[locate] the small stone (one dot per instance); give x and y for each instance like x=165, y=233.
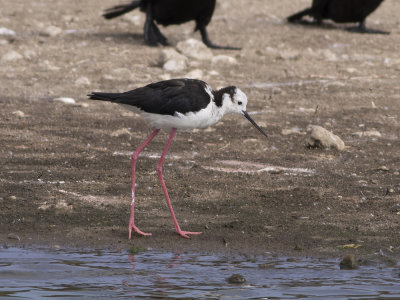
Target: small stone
x=51, y=31
x=120, y=132
x=11, y=56
x=173, y=65
x=322, y=138
x=349, y=262
x=82, y=81
x=383, y=168
x=65, y=100
x=172, y=61
x=367, y=133
x=194, y=49
x=19, y=114
x=6, y=31
x=195, y=74
x=223, y=60
x=236, y=279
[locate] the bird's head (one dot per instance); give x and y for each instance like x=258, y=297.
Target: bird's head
x=235, y=101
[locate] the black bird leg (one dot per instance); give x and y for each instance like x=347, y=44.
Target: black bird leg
x=153, y=35
x=208, y=43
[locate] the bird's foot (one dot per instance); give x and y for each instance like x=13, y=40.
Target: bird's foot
x=137, y=230
x=185, y=233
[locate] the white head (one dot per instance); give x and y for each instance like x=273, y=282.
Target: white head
x=233, y=100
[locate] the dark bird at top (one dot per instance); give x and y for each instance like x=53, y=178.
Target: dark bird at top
x=341, y=11
x=170, y=12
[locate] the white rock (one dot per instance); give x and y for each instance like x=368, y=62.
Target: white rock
x=65, y=100
x=168, y=54
x=320, y=137
x=19, y=114
x=173, y=65
x=194, y=49
x=224, y=60
x=172, y=61
x=51, y=31
x=367, y=133
x=6, y=31
x=82, y=81
x=120, y=132
x=11, y=56
x=195, y=74
x=3, y=42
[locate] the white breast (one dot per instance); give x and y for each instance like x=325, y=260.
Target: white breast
x=200, y=119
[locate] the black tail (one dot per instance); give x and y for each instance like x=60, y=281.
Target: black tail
x=118, y=10
x=299, y=15
x=104, y=96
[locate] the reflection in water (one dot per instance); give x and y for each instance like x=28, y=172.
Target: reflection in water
x=34, y=273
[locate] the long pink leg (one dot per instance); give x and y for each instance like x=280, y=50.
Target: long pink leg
x=134, y=158
x=159, y=172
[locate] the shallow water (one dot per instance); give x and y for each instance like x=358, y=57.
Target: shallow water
x=38, y=273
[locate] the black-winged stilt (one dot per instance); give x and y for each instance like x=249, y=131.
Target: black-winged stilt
x=176, y=104
x=170, y=12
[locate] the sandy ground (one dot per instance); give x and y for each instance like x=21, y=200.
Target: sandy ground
x=65, y=169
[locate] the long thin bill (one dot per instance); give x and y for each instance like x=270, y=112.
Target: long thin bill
x=253, y=122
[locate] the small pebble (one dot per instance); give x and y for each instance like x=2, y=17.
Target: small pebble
x=51, y=31
x=236, y=279
x=19, y=114
x=65, y=100
x=6, y=31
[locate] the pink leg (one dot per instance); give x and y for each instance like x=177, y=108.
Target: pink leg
x=134, y=158
x=159, y=172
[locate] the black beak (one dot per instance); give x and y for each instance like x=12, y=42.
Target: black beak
x=254, y=123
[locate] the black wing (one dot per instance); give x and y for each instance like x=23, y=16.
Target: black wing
x=165, y=97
